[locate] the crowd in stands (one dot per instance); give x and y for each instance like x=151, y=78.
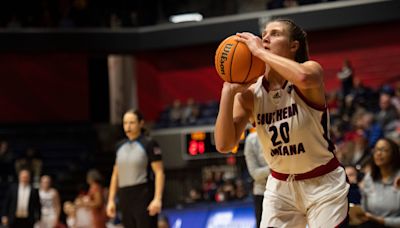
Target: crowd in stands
x=122, y=13
x=218, y=185
x=360, y=116
x=366, y=132
x=191, y=113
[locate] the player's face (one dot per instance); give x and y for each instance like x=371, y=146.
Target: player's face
x=132, y=126
x=382, y=153
x=276, y=38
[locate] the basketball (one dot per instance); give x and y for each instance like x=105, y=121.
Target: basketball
x=235, y=63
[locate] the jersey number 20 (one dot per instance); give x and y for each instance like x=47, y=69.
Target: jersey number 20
x=283, y=131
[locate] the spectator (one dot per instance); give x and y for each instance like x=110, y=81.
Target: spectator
x=94, y=200
x=70, y=212
x=240, y=189
x=209, y=185
x=22, y=204
x=354, y=191
x=6, y=162
x=194, y=195
x=333, y=103
x=361, y=96
x=258, y=170
x=396, y=97
x=357, y=150
x=229, y=190
x=387, y=112
x=380, y=187
x=372, y=130
x=226, y=192
x=32, y=161
x=83, y=215
x=175, y=114
x=51, y=205
x=5, y=154
x=190, y=112
x=163, y=222
x=345, y=75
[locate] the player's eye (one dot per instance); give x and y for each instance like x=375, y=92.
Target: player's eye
x=263, y=34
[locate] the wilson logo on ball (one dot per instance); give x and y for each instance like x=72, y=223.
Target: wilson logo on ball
x=235, y=63
x=224, y=57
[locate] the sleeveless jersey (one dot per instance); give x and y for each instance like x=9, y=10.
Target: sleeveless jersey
x=47, y=201
x=293, y=131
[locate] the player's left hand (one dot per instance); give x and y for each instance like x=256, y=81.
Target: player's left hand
x=154, y=207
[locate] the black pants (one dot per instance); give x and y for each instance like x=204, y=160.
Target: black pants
x=133, y=202
x=258, y=202
x=22, y=223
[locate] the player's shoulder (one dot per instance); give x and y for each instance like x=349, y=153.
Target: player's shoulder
x=312, y=63
x=315, y=67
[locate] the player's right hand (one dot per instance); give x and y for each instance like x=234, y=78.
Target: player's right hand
x=234, y=88
x=110, y=210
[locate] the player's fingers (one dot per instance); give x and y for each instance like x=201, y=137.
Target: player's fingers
x=242, y=36
x=111, y=211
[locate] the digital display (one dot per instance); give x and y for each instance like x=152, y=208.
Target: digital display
x=201, y=144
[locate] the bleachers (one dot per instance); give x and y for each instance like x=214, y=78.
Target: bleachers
x=208, y=112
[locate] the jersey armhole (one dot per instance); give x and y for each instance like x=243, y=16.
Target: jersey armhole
x=308, y=102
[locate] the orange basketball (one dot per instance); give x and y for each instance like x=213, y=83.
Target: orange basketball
x=235, y=63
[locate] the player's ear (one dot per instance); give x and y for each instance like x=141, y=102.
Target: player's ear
x=294, y=46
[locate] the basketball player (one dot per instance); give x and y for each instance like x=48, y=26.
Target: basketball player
x=287, y=106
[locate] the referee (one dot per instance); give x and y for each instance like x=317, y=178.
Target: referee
x=137, y=175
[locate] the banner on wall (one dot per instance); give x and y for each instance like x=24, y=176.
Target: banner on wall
x=218, y=216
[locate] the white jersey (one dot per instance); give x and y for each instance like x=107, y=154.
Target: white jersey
x=49, y=212
x=293, y=132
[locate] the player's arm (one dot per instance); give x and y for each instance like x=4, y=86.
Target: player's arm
x=111, y=210
x=234, y=111
x=307, y=76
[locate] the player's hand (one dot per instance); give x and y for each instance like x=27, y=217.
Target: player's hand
x=234, y=88
x=154, y=207
x=253, y=42
x=110, y=210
